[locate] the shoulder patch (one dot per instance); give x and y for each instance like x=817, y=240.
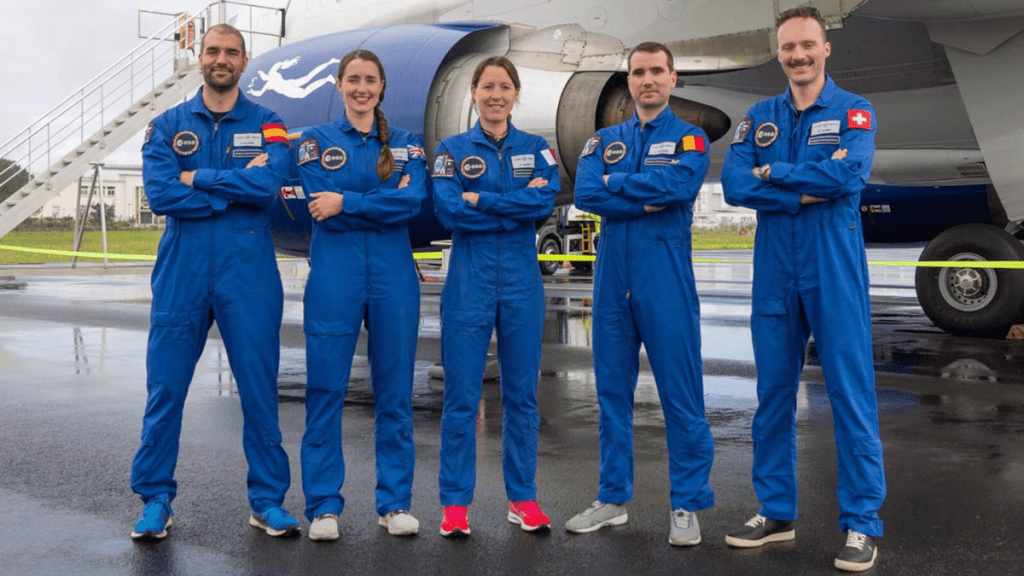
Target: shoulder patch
x=693, y=143
x=275, y=133
x=615, y=152
x=309, y=151
x=858, y=119
x=416, y=152
x=591, y=146
x=473, y=167
x=549, y=156
x=766, y=134
x=444, y=166
x=149, y=134
x=185, y=143
x=333, y=158
x=741, y=131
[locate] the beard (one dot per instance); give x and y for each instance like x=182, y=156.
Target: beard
x=221, y=85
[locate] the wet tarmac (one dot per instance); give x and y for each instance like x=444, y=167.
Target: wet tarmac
x=72, y=375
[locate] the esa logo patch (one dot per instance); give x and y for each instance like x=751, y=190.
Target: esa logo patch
x=590, y=146
x=615, y=152
x=309, y=150
x=472, y=167
x=333, y=158
x=444, y=166
x=766, y=134
x=185, y=143
x=741, y=131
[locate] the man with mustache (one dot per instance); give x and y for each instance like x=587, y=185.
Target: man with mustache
x=214, y=165
x=801, y=159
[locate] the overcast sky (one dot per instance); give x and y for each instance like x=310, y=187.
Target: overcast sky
x=53, y=47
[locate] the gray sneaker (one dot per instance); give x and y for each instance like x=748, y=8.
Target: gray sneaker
x=685, y=530
x=597, y=516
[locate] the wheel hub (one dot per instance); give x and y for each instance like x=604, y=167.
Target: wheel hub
x=968, y=289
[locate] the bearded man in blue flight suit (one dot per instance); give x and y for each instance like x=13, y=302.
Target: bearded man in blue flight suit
x=642, y=177
x=214, y=166
x=801, y=159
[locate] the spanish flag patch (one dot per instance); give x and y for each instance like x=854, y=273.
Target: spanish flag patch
x=275, y=133
x=693, y=144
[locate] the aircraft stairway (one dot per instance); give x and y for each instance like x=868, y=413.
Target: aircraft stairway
x=100, y=117
x=77, y=134
x=49, y=182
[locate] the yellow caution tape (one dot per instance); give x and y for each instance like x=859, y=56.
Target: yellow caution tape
x=1008, y=264
x=79, y=254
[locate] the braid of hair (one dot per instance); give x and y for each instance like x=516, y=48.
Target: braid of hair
x=386, y=160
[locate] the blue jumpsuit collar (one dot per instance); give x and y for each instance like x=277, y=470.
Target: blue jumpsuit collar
x=476, y=134
x=347, y=126
x=826, y=96
x=241, y=109
x=634, y=121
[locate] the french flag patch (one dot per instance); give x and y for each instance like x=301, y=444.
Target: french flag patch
x=549, y=157
x=858, y=119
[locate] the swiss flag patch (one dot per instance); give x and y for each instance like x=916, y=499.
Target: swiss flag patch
x=858, y=119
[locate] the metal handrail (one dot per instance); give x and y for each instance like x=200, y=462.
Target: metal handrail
x=87, y=109
x=109, y=94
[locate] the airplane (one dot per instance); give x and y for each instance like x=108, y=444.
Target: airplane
x=939, y=75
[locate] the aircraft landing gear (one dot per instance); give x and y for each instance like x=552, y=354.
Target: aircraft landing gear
x=980, y=302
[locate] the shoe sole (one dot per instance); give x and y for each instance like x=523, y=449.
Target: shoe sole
x=857, y=566
x=383, y=523
x=151, y=536
x=616, y=521
x=777, y=537
x=257, y=523
x=515, y=519
x=456, y=533
x=684, y=542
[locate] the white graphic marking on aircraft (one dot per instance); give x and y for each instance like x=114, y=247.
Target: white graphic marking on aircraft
x=296, y=88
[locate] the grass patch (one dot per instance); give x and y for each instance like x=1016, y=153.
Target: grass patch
x=722, y=239
x=141, y=242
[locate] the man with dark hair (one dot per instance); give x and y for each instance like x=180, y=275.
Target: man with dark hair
x=801, y=159
x=642, y=177
x=214, y=165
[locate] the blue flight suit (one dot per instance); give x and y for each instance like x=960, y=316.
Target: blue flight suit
x=810, y=275
x=493, y=282
x=644, y=291
x=361, y=272
x=215, y=262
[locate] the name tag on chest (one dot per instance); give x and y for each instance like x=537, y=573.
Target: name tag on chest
x=248, y=140
x=825, y=127
x=662, y=148
x=400, y=154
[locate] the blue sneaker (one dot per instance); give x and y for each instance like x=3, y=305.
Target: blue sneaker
x=156, y=518
x=276, y=521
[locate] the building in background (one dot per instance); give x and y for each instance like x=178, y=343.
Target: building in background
x=123, y=192
x=711, y=211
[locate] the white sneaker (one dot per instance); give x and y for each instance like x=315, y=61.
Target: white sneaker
x=399, y=523
x=324, y=528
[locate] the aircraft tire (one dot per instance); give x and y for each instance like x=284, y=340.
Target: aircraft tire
x=977, y=302
x=549, y=245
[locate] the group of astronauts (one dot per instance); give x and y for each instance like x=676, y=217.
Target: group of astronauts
x=800, y=159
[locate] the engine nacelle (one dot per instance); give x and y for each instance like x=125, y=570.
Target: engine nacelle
x=429, y=71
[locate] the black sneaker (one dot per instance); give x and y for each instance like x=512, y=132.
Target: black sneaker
x=759, y=531
x=859, y=553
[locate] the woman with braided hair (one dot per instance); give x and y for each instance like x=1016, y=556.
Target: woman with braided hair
x=364, y=182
